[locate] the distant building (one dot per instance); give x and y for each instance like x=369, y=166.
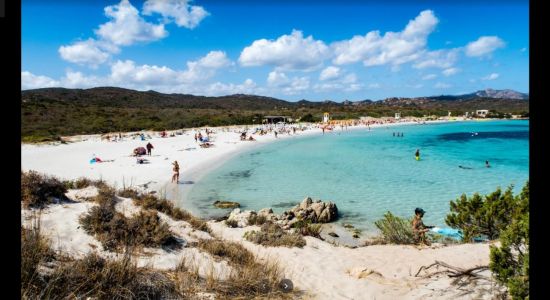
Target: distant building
x=397, y=116
x=326, y=117
x=276, y=119
x=449, y=114
x=482, y=112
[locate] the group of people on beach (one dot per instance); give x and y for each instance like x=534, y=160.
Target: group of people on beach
x=399, y=134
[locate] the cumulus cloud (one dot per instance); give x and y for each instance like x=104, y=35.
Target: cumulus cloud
x=84, y=52
x=289, y=86
x=484, y=45
x=443, y=59
x=393, y=48
x=429, y=77
x=441, y=85
x=329, y=73
x=491, y=76
x=288, y=52
x=127, y=27
x=31, y=81
x=247, y=87
x=450, y=71
x=346, y=83
x=179, y=11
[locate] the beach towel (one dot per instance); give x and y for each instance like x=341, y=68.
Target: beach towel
x=450, y=232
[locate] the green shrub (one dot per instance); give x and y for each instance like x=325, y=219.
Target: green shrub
x=255, y=219
x=395, y=230
x=39, y=190
x=510, y=262
x=273, y=235
x=482, y=215
x=305, y=228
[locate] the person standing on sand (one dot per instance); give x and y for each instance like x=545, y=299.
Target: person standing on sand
x=275, y=133
x=176, y=169
x=149, y=146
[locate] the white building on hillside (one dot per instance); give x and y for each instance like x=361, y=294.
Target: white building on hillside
x=482, y=112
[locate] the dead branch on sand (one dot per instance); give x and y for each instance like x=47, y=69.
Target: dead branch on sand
x=453, y=271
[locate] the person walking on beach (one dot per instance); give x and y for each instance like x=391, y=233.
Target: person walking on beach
x=417, y=154
x=176, y=169
x=149, y=146
x=418, y=227
x=196, y=137
x=275, y=133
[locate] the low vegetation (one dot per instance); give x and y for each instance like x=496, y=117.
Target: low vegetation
x=484, y=216
x=115, y=231
x=305, y=228
x=273, y=235
x=510, y=261
x=39, y=190
x=255, y=219
x=149, y=201
x=395, y=230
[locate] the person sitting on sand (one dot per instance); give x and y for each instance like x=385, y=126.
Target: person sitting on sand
x=251, y=138
x=418, y=227
x=176, y=169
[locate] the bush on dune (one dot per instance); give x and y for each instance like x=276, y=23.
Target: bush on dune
x=395, y=230
x=39, y=190
x=273, y=235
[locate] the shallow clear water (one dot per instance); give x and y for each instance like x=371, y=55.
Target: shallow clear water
x=367, y=173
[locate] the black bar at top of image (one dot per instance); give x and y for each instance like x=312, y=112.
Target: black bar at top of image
x=2, y=8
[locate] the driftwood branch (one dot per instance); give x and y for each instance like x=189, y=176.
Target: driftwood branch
x=453, y=271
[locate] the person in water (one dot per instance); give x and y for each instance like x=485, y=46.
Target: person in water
x=418, y=227
x=487, y=164
x=417, y=154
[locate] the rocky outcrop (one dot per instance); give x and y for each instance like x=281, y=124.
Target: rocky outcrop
x=226, y=204
x=308, y=210
x=241, y=217
x=315, y=211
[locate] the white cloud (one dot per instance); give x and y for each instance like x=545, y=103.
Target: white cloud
x=79, y=80
x=484, y=45
x=289, y=86
x=288, y=52
x=213, y=60
x=84, y=52
x=491, y=76
x=330, y=73
x=393, y=48
x=441, y=85
x=523, y=49
x=437, y=59
x=450, y=71
x=247, y=87
x=127, y=71
x=180, y=11
x=127, y=27
x=415, y=86
x=31, y=81
x=429, y=77
x=277, y=79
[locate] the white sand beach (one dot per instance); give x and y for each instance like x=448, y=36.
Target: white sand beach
x=321, y=270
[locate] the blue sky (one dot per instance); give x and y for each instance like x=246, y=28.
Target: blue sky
x=286, y=50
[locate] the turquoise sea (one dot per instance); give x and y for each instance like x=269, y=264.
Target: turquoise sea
x=367, y=173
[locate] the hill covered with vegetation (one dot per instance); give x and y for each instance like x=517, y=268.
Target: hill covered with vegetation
x=49, y=113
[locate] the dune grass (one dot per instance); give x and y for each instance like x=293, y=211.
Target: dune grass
x=39, y=190
x=273, y=235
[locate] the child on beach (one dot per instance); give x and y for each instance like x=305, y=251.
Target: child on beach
x=176, y=169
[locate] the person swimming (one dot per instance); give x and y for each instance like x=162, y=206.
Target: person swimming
x=487, y=164
x=417, y=154
x=463, y=167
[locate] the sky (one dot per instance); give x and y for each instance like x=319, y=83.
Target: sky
x=317, y=51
